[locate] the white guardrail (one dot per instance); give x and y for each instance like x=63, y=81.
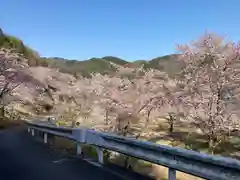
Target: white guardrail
x=187, y=161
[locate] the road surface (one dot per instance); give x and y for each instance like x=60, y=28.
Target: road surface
x=25, y=158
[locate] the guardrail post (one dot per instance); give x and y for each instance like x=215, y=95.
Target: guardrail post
x=45, y=136
x=80, y=136
x=33, y=132
x=79, y=149
x=100, y=155
x=171, y=174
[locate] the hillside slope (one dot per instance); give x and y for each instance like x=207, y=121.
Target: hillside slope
x=11, y=42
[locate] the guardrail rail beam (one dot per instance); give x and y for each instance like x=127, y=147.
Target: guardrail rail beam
x=176, y=159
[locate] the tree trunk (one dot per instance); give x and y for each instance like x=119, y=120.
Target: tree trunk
x=106, y=118
x=171, y=123
x=146, y=124
x=211, y=143
x=126, y=163
x=171, y=127
x=2, y=113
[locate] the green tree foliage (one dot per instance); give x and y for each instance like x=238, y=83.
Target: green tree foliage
x=11, y=42
x=116, y=60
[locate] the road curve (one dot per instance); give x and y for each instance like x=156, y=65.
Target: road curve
x=24, y=158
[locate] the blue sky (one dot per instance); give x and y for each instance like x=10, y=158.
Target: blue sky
x=130, y=29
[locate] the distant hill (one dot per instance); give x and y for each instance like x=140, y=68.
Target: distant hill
x=115, y=60
x=83, y=68
x=167, y=63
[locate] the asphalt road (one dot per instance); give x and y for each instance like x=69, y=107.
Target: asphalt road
x=25, y=158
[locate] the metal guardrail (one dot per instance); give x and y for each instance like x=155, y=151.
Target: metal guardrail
x=187, y=161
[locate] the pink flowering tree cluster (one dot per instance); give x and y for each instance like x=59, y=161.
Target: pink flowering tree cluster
x=171, y=107
x=129, y=97
x=211, y=78
x=16, y=79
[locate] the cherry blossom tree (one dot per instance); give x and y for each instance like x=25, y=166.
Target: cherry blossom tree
x=211, y=77
x=171, y=107
x=130, y=96
x=15, y=76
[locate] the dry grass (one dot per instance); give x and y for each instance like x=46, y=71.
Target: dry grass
x=161, y=173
